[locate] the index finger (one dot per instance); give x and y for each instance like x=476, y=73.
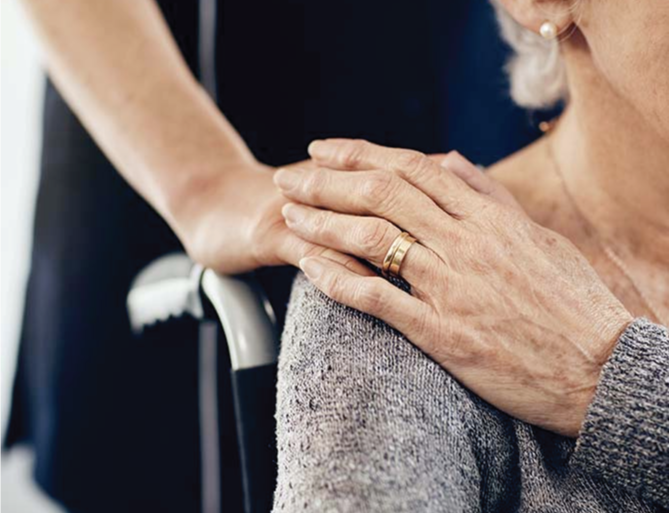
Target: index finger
x=445, y=188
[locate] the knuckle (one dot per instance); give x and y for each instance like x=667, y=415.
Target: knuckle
x=314, y=183
x=453, y=241
x=493, y=218
x=378, y=188
x=334, y=288
x=352, y=152
x=458, y=207
x=341, y=291
x=319, y=222
x=410, y=161
x=374, y=237
x=368, y=295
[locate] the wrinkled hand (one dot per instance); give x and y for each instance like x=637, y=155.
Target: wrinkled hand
x=512, y=310
x=234, y=226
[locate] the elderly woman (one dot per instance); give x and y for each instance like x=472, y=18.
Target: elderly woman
x=553, y=309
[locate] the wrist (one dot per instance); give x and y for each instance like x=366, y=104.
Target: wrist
x=604, y=340
x=215, y=216
x=609, y=331
x=193, y=192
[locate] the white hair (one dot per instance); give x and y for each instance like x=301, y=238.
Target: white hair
x=536, y=70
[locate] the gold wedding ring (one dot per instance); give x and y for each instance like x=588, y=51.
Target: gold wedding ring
x=395, y=256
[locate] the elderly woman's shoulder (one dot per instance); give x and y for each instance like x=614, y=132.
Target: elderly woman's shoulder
x=363, y=417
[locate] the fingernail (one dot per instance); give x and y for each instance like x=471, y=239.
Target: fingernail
x=293, y=214
x=312, y=268
x=286, y=179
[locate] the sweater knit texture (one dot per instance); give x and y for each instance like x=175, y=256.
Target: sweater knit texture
x=366, y=422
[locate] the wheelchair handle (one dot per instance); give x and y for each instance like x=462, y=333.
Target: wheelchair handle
x=246, y=317
x=174, y=286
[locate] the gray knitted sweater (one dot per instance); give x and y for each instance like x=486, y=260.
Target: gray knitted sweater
x=367, y=422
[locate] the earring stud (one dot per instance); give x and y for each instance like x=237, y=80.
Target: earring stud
x=548, y=30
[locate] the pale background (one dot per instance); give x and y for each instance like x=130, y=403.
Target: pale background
x=21, y=88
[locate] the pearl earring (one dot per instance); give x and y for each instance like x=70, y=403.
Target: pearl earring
x=548, y=30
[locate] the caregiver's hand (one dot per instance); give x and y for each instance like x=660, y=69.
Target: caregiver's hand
x=234, y=224
x=509, y=308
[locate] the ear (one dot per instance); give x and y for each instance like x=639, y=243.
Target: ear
x=533, y=14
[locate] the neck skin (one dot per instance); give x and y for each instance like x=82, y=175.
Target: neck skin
x=615, y=165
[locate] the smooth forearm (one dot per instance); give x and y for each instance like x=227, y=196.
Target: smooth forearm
x=119, y=68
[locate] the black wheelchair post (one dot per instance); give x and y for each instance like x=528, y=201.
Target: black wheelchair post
x=172, y=287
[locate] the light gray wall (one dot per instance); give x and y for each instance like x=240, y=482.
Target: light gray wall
x=21, y=84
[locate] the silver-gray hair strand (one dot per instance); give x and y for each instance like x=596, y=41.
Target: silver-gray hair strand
x=536, y=70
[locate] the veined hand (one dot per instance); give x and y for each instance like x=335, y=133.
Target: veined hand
x=511, y=309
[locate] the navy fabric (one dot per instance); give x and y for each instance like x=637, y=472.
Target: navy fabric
x=113, y=418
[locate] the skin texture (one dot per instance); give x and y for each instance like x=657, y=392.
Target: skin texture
x=120, y=70
x=518, y=302
x=503, y=304
x=612, y=143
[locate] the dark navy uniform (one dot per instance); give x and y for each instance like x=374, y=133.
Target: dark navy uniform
x=113, y=419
